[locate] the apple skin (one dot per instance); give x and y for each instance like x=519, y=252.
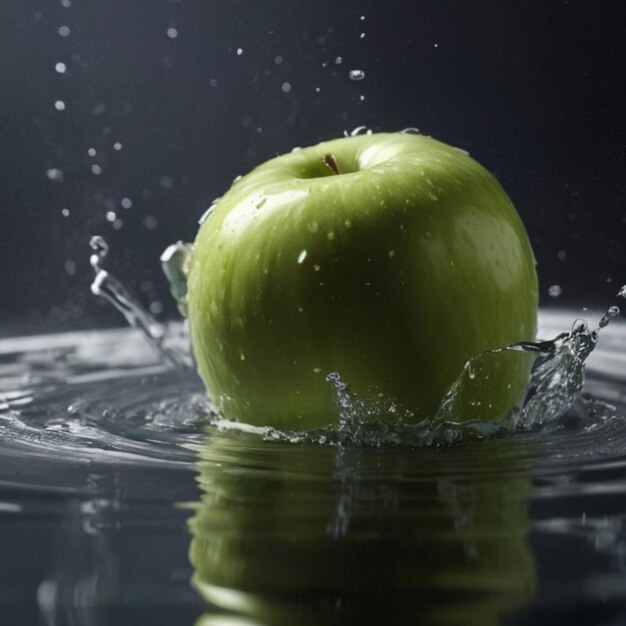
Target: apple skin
x=392, y=273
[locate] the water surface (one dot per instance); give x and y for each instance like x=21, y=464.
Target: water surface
x=121, y=504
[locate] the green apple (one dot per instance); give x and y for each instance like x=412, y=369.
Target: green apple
x=390, y=258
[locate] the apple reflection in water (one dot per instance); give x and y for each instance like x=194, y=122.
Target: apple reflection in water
x=313, y=535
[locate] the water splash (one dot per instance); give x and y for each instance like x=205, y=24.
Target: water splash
x=175, y=261
x=558, y=377
x=106, y=286
x=611, y=314
x=555, y=386
x=554, y=390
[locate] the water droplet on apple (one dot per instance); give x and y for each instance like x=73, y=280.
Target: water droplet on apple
x=205, y=215
x=470, y=370
x=410, y=131
x=316, y=268
x=355, y=131
x=301, y=257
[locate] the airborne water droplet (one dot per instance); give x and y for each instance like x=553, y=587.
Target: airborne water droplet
x=356, y=74
x=611, y=313
x=55, y=174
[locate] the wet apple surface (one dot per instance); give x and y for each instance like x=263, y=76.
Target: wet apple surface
x=391, y=259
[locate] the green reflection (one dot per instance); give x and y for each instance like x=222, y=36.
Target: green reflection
x=304, y=534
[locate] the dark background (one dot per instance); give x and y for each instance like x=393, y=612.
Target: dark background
x=534, y=90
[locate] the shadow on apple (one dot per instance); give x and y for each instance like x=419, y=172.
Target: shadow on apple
x=312, y=535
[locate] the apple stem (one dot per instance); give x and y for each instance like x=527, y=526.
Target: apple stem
x=330, y=163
